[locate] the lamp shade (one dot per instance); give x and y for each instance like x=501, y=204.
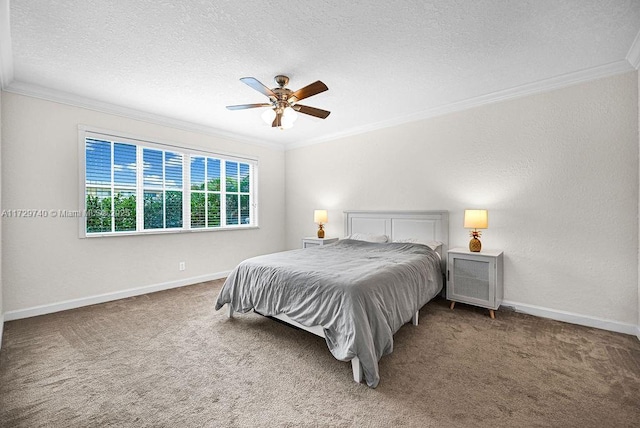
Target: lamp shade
x=289, y=116
x=268, y=116
x=476, y=219
x=320, y=216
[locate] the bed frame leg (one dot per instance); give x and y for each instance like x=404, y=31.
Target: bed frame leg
x=414, y=319
x=357, y=370
x=230, y=311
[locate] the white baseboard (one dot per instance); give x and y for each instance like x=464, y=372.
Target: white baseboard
x=107, y=297
x=573, y=318
x=1, y=328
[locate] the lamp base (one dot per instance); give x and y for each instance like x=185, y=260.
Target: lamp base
x=475, y=245
x=320, y=232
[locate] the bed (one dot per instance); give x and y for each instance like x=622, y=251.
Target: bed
x=355, y=293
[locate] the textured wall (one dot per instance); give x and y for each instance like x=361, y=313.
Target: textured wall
x=557, y=171
x=1, y=286
x=44, y=260
x=382, y=63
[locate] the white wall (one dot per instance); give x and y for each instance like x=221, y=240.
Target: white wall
x=1, y=287
x=45, y=262
x=557, y=171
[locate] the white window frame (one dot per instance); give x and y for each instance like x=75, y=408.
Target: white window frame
x=85, y=132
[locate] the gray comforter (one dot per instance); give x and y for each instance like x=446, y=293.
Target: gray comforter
x=361, y=293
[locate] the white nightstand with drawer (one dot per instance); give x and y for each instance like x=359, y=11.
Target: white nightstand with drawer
x=475, y=278
x=316, y=242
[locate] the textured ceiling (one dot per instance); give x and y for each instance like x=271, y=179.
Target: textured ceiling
x=384, y=62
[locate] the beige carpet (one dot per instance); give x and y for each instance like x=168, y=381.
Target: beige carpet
x=168, y=360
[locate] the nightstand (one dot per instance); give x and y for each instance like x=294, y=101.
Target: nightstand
x=316, y=242
x=475, y=278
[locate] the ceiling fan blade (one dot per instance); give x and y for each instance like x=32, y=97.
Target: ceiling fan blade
x=277, y=121
x=308, y=91
x=246, y=106
x=258, y=86
x=312, y=111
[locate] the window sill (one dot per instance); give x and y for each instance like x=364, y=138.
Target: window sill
x=170, y=231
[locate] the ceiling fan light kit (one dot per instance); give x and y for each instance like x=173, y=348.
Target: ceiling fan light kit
x=283, y=102
x=289, y=116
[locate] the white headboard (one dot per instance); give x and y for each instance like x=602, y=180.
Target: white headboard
x=424, y=226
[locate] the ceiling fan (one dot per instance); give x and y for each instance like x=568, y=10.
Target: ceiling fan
x=284, y=101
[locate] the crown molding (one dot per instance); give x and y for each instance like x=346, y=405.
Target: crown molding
x=7, y=83
x=48, y=94
x=533, y=88
x=541, y=86
x=6, y=53
x=633, y=56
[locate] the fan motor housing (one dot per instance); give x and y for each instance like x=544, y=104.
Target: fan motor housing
x=281, y=80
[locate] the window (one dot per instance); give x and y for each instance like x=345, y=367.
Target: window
x=205, y=192
x=110, y=186
x=162, y=178
x=132, y=186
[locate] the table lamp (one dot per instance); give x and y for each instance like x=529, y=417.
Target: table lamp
x=475, y=219
x=320, y=217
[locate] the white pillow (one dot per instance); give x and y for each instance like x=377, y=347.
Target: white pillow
x=368, y=238
x=434, y=245
x=407, y=241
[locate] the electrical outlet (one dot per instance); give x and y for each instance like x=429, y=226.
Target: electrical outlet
x=182, y=266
